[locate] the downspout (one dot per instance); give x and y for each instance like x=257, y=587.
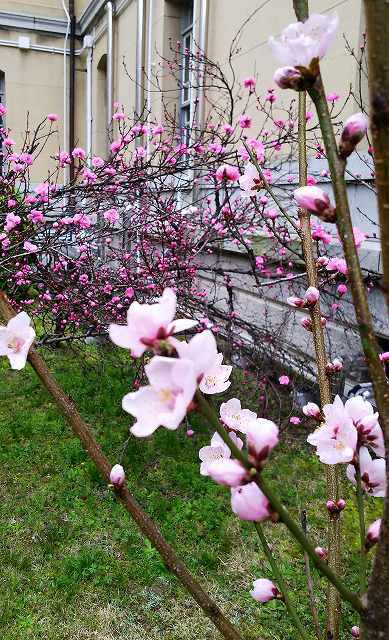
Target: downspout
x=203, y=46
x=109, y=14
x=149, y=68
x=140, y=58
x=88, y=43
x=72, y=83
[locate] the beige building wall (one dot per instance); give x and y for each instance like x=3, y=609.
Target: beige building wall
x=35, y=79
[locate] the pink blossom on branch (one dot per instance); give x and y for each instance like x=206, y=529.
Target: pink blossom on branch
x=16, y=339
x=302, y=42
x=373, y=474
x=117, y=475
x=166, y=400
x=249, y=503
x=234, y=417
x=316, y=201
x=147, y=324
x=336, y=439
x=264, y=590
x=215, y=451
x=354, y=130
x=227, y=173
x=373, y=534
x=227, y=472
x=216, y=378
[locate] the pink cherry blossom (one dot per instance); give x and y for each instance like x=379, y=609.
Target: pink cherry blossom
x=264, y=590
x=165, y=401
x=52, y=117
x=337, y=264
x=333, y=97
x=249, y=503
x=227, y=172
x=294, y=420
x=16, y=339
x=28, y=246
x=283, y=380
x=311, y=296
x=250, y=182
x=216, y=450
x=111, y=215
x=227, y=472
x=147, y=324
x=234, y=417
x=302, y=42
x=79, y=153
x=117, y=475
x=216, y=378
x=245, y=121
x=384, y=356
x=373, y=474
x=336, y=439
x=3, y=109
x=355, y=633
x=354, y=130
x=201, y=350
x=249, y=83
x=312, y=410
x=365, y=420
x=11, y=221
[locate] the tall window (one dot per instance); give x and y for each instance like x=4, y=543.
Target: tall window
x=2, y=118
x=186, y=92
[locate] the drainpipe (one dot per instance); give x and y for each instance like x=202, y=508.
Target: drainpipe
x=109, y=14
x=88, y=44
x=203, y=46
x=149, y=67
x=72, y=82
x=140, y=58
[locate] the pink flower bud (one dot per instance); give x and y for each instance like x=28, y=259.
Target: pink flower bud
x=341, y=504
x=355, y=632
x=264, y=590
x=284, y=380
x=316, y=201
x=288, y=78
x=227, y=472
x=117, y=475
x=335, y=366
x=311, y=296
x=341, y=290
x=306, y=323
x=322, y=261
x=227, y=172
x=321, y=553
x=354, y=130
x=296, y=302
x=52, y=117
x=336, y=507
x=262, y=437
x=312, y=410
x=373, y=534
x=190, y=433
x=249, y=503
x=384, y=357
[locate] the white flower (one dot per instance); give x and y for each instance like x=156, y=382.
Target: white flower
x=16, y=339
x=236, y=418
x=165, y=401
x=215, y=379
x=302, y=42
x=216, y=451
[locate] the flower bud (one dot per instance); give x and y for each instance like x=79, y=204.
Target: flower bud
x=336, y=507
x=262, y=437
x=264, y=590
x=227, y=472
x=289, y=78
x=249, y=503
x=355, y=632
x=311, y=296
x=306, y=323
x=354, y=130
x=341, y=290
x=311, y=410
x=296, y=302
x=335, y=366
x=373, y=534
x=117, y=475
x=321, y=553
x=316, y=201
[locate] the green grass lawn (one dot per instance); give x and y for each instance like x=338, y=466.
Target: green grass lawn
x=72, y=564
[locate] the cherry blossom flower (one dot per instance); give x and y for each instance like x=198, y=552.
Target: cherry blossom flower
x=165, y=401
x=365, y=420
x=52, y=117
x=336, y=439
x=333, y=97
x=215, y=379
x=236, y=418
x=249, y=503
x=264, y=590
x=79, y=153
x=216, y=450
x=302, y=42
x=28, y=246
x=11, y=221
x=16, y=339
x=373, y=474
x=117, y=475
x=312, y=410
x=227, y=472
x=111, y=215
x=147, y=324
x=227, y=172
x=249, y=83
x=245, y=121
x=250, y=182
x=3, y=109
x=201, y=350
x=354, y=130
x=284, y=380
